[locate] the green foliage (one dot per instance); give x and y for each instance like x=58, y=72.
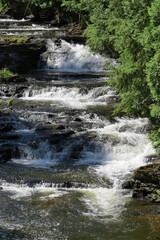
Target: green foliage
x=5, y=74
x=155, y=138
x=81, y=8
x=153, y=76
x=2, y=6
x=155, y=111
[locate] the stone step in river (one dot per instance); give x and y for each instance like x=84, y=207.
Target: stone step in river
x=68, y=156
x=12, y=27
x=23, y=27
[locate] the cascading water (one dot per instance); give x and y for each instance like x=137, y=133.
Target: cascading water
x=66, y=57
x=72, y=156
x=23, y=27
x=117, y=148
x=73, y=97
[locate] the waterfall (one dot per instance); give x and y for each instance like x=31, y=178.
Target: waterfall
x=67, y=57
x=72, y=156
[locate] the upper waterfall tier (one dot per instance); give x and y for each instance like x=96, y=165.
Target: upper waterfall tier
x=70, y=57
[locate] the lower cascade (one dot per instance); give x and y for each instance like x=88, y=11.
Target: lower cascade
x=69, y=156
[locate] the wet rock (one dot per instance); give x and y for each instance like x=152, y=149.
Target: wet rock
x=13, y=79
x=57, y=137
x=9, y=136
x=34, y=145
x=74, y=185
x=146, y=182
x=6, y=127
x=12, y=90
x=33, y=182
x=128, y=184
x=147, y=128
x=50, y=127
x=137, y=194
x=5, y=155
x=60, y=127
x=21, y=57
x=8, y=151
x=58, y=42
x=76, y=150
x=78, y=119
x=67, y=185
x=151, y=158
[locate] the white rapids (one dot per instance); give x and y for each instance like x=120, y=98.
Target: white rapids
x=124, y=147
x=72, y=97
x=121, y=146
x=68, y=57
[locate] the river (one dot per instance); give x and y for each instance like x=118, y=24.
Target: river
x=73, y=157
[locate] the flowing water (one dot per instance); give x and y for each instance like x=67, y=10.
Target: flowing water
x=73, y=157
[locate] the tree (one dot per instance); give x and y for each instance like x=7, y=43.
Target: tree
x=130, y=28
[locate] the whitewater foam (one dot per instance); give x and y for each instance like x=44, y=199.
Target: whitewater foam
x=69, y=57
x=72, y=97
x=121, y=151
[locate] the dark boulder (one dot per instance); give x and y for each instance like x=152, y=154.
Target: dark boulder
x=146, y=182
x=128, y=184
x=60, y=127
x=59, y=136
x=77, y=119
x=5, y=155
x=21, y=57
x=6, y=127
x=9, y=136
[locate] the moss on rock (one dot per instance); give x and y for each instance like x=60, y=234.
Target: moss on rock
x=7, y=40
